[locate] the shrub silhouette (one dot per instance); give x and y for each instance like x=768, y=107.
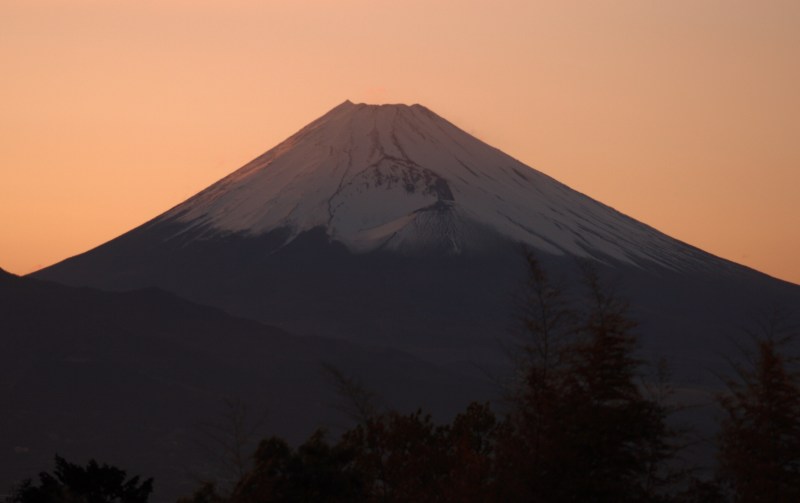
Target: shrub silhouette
x=70, y=483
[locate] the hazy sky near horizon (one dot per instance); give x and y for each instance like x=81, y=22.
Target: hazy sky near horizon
x=684, y=114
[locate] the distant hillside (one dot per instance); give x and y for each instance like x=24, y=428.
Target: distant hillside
x=129, y=378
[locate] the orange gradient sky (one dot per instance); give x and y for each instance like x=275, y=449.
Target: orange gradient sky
x=684, y=114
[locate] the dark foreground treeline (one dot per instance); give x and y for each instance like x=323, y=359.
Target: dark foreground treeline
x=584, y=425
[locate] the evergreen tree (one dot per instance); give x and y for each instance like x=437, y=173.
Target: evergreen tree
x=618, y=437
x=401, y=457
x=530, y=440
x=759, y=442
x=470, y=444
x=314, y=472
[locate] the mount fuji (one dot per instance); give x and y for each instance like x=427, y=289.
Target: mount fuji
x=388, y=225
x=382, y=240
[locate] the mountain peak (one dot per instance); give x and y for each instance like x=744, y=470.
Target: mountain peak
x=370, y=175
x=348, y=103
x=347, y=108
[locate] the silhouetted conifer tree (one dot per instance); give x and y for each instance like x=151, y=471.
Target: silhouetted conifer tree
x=529, y=440
x=402, y=457
x=315, y=471
x=471, y=444
x=619, y=436
x=759, y=442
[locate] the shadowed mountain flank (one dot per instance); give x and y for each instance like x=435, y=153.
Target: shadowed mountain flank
x=132, y=378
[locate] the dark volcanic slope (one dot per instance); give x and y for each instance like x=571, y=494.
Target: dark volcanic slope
x=448, y=308
x=128, y=378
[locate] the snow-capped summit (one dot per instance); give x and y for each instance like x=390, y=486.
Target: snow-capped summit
x=398, y=177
